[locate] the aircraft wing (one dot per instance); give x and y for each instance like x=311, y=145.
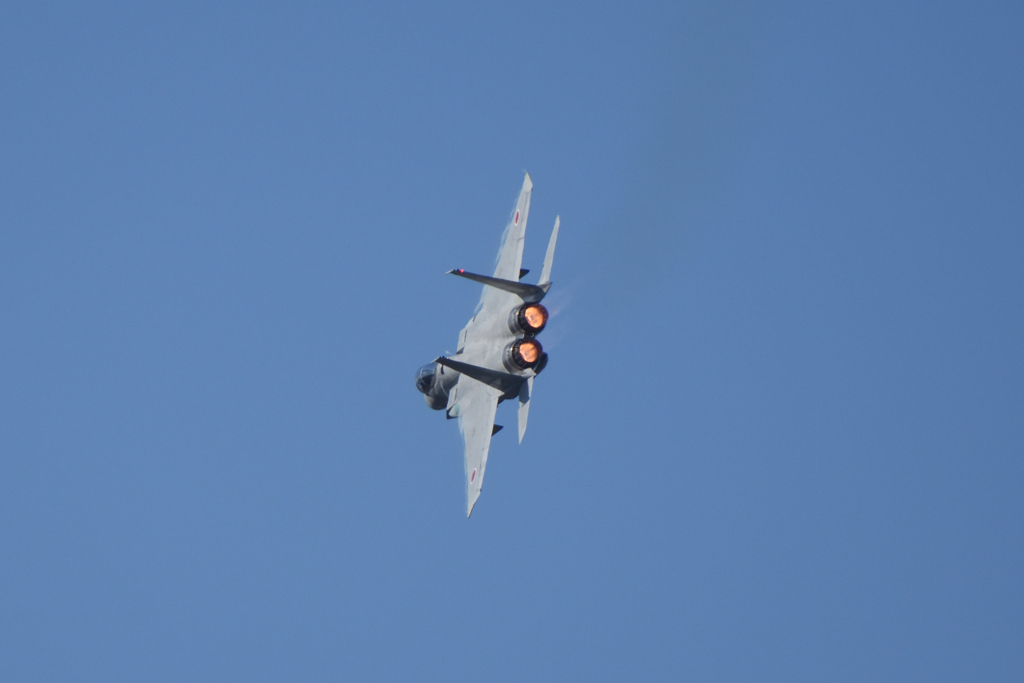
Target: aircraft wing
x=510, y=255
x=477, y=403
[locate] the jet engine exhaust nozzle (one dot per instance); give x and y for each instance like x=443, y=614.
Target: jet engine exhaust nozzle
x=528, y=319
x=522, y=354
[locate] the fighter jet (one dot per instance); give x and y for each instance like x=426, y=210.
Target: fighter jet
x=498, y=354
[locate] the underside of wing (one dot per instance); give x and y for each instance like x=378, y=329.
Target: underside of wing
x=477, y=403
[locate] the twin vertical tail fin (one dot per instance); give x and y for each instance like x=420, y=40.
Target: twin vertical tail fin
x=524, y=406
x=526, y=390
x=545, y=273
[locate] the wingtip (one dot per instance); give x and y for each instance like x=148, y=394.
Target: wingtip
x=527, y=182
x=471, y=499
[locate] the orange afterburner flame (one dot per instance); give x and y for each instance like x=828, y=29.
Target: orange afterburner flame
x=522, y=354
x=529, y=351
x=528, y=318
x=535, y=316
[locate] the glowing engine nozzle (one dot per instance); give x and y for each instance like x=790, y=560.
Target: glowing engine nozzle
x=522, y=354
x=528, y=319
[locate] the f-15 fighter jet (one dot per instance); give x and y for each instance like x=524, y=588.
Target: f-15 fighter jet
x=498, y=353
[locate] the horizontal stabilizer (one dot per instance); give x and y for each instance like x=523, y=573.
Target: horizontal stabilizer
x=528, y=293
x=507, y=383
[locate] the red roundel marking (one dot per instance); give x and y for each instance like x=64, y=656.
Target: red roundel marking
x=517, y=218
x=472, y=476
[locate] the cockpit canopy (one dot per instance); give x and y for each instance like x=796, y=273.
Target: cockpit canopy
x=425, y=378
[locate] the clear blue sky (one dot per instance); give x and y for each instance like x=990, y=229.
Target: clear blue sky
x=781, y=435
